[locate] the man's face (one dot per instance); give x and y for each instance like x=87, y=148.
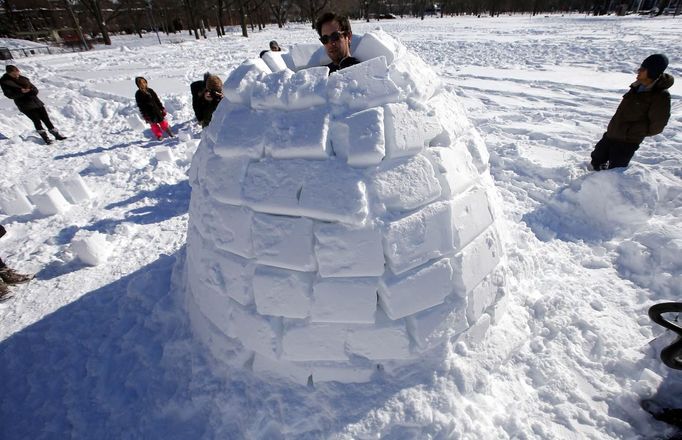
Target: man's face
x=642, y=76
x=336, y=49
x=14, y=73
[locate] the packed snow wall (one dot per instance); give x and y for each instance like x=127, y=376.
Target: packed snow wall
x=340, y=222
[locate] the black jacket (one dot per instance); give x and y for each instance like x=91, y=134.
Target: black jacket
x=150, y=105
x=12, y=89
x=642, y=114
x=346, y=62
x=203, y=109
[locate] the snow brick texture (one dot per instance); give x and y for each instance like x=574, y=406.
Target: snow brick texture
x=338, y=223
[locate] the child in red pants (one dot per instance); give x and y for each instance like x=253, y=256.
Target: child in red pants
x=151, y=108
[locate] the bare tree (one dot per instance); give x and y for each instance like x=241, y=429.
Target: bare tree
x=280, y=10
x=95, y=8
x=313, y=8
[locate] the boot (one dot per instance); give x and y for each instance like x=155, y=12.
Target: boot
x=170, y=133
x=11, y=276
x=4, y=291
x=43, y=134
x=57, y=135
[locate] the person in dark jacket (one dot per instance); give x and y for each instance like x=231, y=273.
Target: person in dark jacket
x=644, y=111
x=25, y=96
x=274, y=47
x=151, y=108
x=9, y=277
x=336, y=35
x=206, y=100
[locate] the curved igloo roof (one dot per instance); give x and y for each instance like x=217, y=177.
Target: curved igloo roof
x=339, y=222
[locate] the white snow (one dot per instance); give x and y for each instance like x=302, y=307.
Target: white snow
x=106, y=352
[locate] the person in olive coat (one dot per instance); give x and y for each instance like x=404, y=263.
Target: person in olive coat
x=151, y=108
x=644, y=111
x=25, y=96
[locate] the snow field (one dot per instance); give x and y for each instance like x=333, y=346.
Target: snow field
x=339, y=221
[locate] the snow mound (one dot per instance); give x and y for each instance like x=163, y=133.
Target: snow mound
x=602, y=205
x=338, y=223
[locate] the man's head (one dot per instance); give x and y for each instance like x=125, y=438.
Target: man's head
x=12, y=71
x=214, y=85
x=335, y=34
x=274, y=46
x=140, y=82
x=652, y=67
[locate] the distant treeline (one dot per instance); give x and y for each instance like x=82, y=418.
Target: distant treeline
x=64, y=19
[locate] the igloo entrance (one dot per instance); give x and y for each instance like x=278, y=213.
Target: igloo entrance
x=339, y=222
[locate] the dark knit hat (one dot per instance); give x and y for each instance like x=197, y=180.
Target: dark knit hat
x=10, y=68
x=214, y=83
x=655, y=65
x=274, y=46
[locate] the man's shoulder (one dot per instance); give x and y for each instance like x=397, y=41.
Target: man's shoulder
x=348, y=61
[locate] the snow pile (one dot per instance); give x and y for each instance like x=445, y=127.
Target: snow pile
x=340, y=221
x=50, y=197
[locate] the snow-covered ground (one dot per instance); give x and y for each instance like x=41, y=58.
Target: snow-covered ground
x=105, y=351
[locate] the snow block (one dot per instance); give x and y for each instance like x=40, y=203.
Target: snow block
x=164, y=154
x=268, y=93
x=417, y=238
x=50, y=201
x=315, y=342
x=408, y=130
x=302, y=56
x=274, y=61
x=387, y=340
x=101, y=161
x=237, y=136
x=335, y=192
x=341, y=372
x=135, y=123
x=415, y=79
x=237, y=86
x=224, y=272
x=285, y=242
x=406, y=184
x=433, y=326
x=470, y=215
x=281, y=292
x=299, y=135
x=222, y=178
x=476, y=146
x=74, y=188
x=480, y=298
x=274, y=186
x=362, y=86
x=344, y=251
x=351, y=300
x=258, y=333
x=478, y=331
x=476, y=261
x=13, y=201
x=307, y=88
x=419, y=289
x=91, y=248
x=376, y=44
x=275, y=369
x=455, y=169
x=451, y=115
x=359, y=138
x=499, y=307
x=228, y=226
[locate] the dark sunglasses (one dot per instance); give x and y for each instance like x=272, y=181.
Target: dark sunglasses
x=334, y=36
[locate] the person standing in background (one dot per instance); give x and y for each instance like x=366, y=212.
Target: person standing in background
x=151, y=108
x=25, y=96
x=644, y=111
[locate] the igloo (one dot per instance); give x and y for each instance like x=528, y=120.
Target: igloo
x=340, y=223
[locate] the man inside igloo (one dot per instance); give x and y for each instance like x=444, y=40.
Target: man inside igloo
x=336, y=35
x=340, y=222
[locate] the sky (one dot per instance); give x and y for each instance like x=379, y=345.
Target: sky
x=107, y=351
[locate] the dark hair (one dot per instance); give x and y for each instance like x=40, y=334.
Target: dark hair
x=137, y=80
x=10, y=68
x=341, y=20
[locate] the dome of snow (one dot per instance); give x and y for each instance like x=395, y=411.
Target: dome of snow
x=340, y=222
